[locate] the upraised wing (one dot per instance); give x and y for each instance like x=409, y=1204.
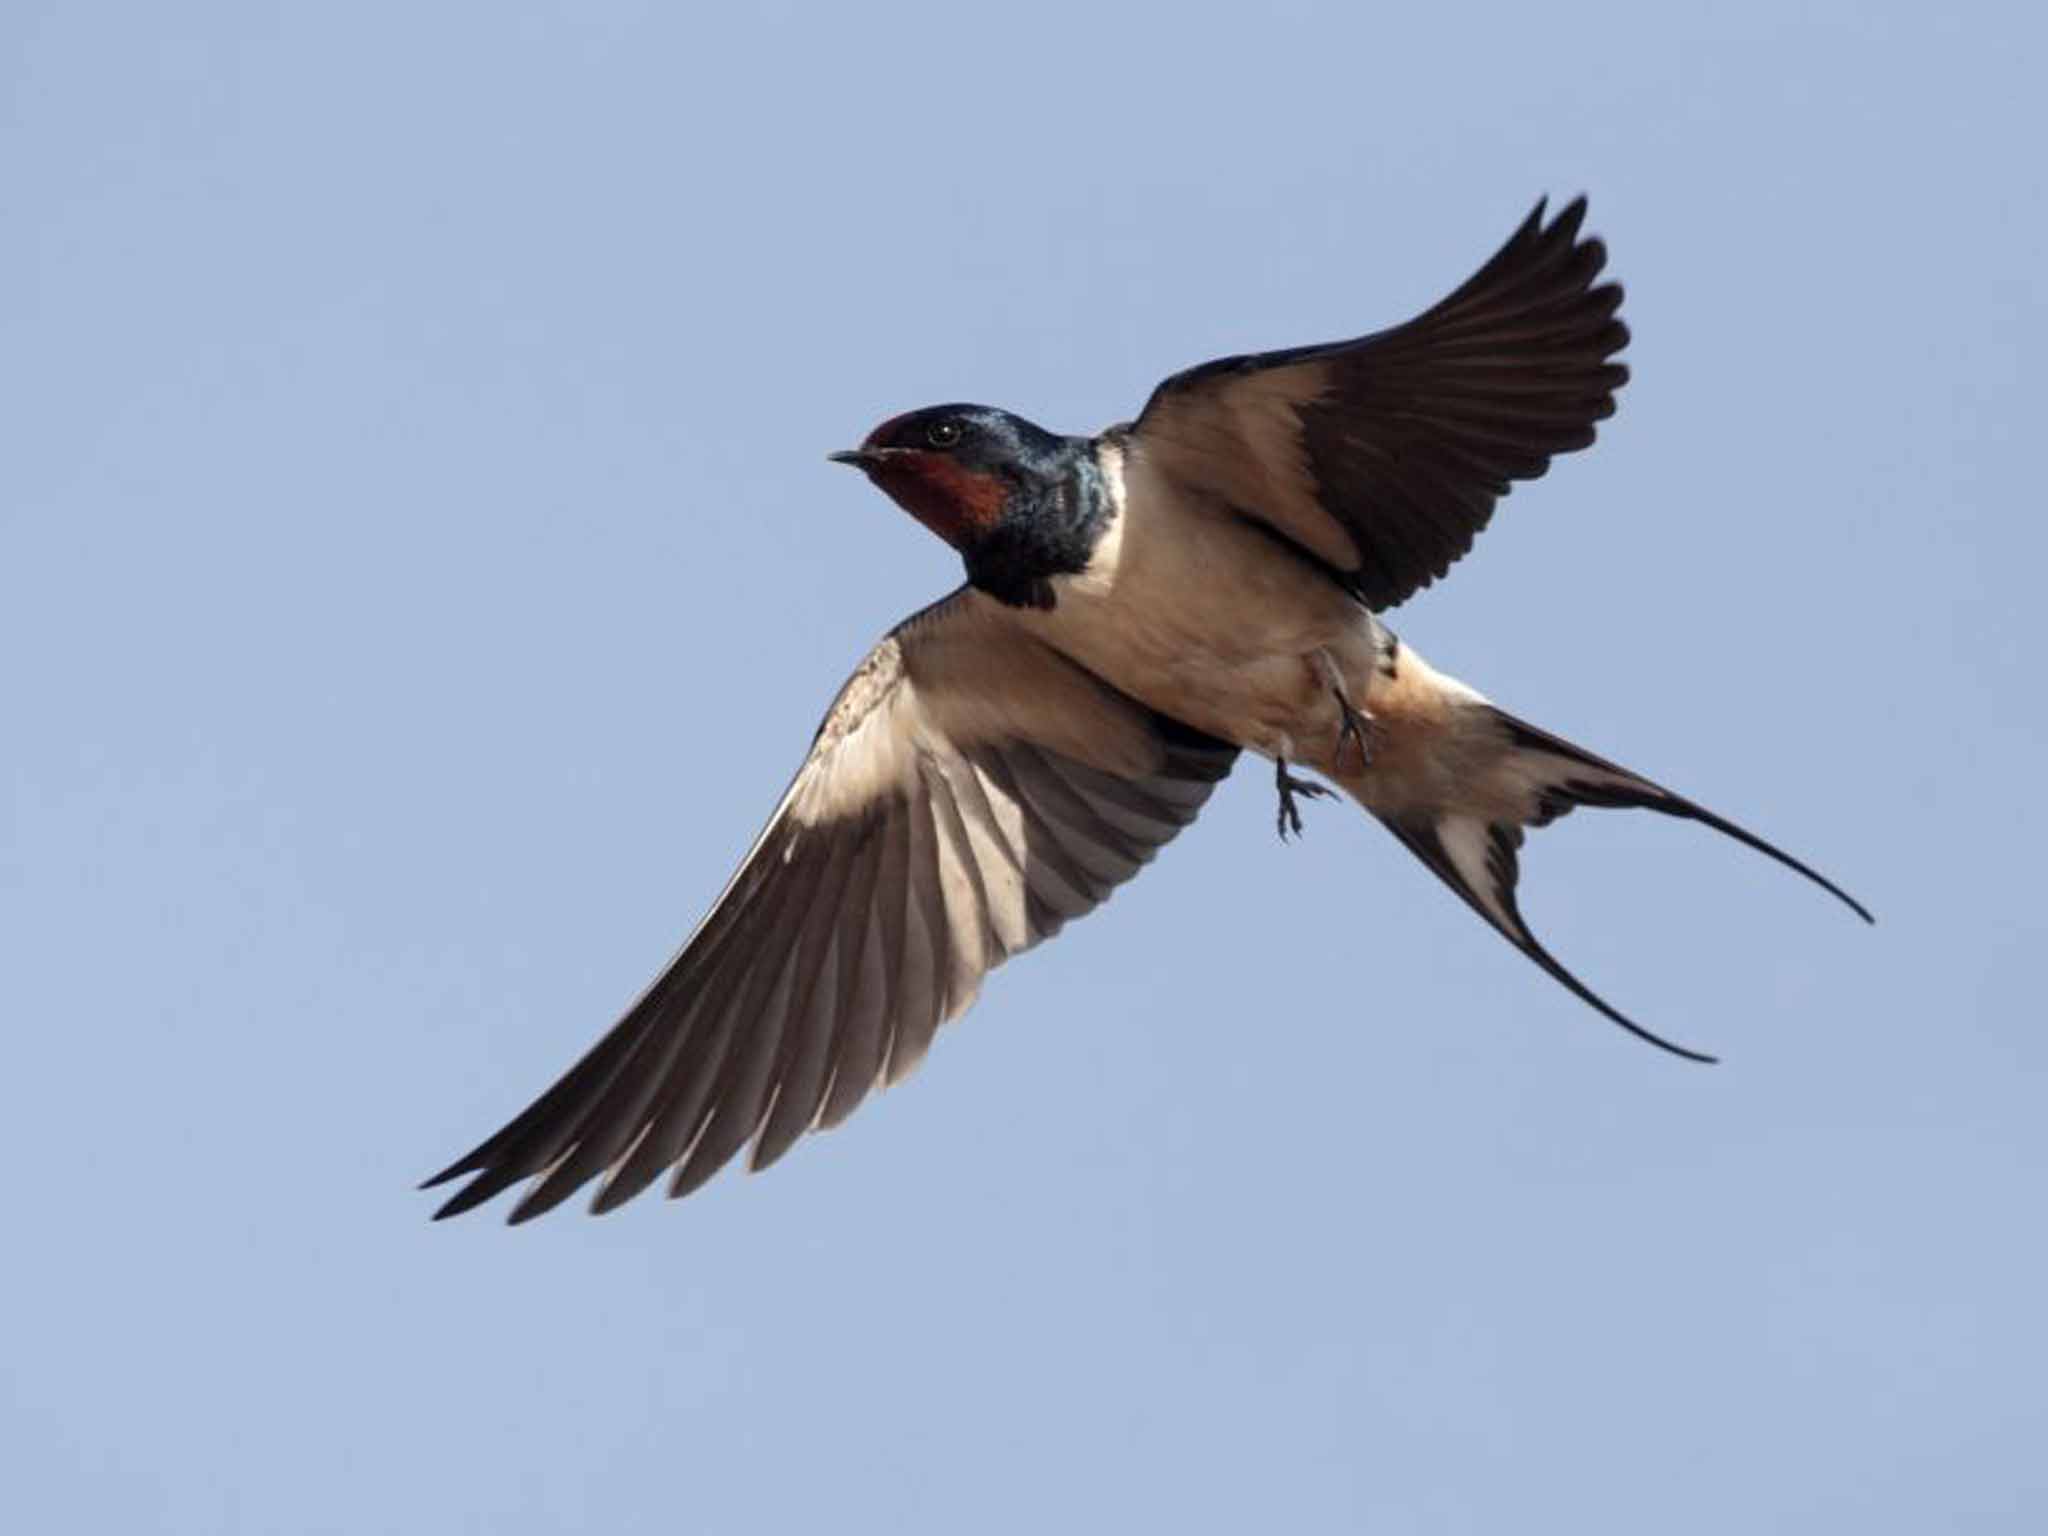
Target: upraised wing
x=969, y=791
x=1383, y=457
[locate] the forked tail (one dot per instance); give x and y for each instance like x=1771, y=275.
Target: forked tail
x=1545, y=777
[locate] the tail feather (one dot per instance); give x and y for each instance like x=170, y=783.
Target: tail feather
x=1478, y=858
x=1584, y=779
x=1478, y=862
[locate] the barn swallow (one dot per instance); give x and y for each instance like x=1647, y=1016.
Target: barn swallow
x=1140, y=607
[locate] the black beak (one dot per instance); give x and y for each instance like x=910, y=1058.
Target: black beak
x=869, y=459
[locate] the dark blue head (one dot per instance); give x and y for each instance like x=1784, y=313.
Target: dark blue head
x=1020, y=504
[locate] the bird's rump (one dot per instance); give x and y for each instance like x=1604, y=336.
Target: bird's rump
x=969, y=791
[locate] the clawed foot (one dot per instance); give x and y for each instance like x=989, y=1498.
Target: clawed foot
x=1289, y=786
x=1353, y=727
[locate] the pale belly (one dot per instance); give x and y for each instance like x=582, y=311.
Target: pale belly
x=1211, y=622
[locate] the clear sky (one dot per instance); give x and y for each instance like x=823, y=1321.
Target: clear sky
x=420, y=571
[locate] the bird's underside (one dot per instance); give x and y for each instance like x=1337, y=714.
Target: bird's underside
x=1140, y=607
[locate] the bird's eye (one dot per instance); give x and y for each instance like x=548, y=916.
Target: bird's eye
x=942, y=434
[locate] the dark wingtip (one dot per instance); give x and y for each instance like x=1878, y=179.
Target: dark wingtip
x=1569, y=218
x=488, y=1184
x=453, y=1170
x=465, y=1199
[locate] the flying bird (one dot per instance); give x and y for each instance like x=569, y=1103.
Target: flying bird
x=1140, y=607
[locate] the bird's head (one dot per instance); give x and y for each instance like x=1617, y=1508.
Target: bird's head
x=961, y=470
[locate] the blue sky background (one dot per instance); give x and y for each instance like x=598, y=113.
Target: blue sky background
x=419, y=572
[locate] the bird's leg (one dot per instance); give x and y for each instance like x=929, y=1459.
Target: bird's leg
x=1353, y=724
x=1289, y=786
x=1353, y=727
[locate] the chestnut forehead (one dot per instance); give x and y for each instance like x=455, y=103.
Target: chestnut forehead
x=888, y=429
x=881, y=433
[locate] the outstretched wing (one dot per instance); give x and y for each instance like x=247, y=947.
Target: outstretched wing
x=1383, y=457
x=969, y=791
